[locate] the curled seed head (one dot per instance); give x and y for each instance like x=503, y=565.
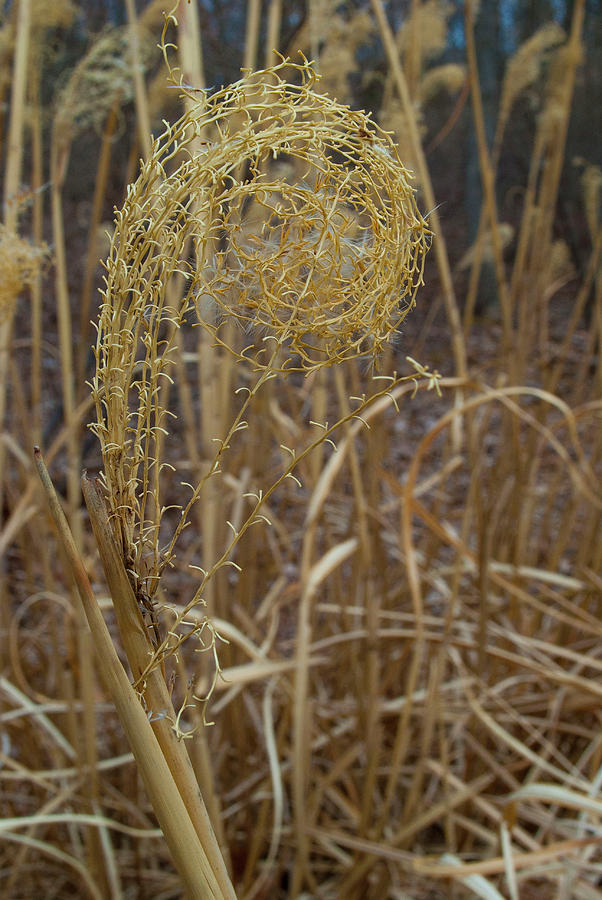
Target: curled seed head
x=266, y=204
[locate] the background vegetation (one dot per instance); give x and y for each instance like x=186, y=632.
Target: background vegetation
x=410, y=695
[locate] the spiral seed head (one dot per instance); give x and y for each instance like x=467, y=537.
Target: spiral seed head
x=267, y=204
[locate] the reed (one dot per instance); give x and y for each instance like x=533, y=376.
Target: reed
x=344, y=630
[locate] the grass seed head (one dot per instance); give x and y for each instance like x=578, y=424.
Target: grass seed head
x=20, y=261
x=268, y=204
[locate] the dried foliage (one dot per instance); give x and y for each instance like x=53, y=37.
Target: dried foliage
x=428, y=27
x=484, y=246
x=20, y=262
x=101, y=76
x=591, y=181
x=59, y=14
x=419, y=40
x=329, y=272
x=335, y=40
x=449, y=77
x=551, y=116
x=524, y=68
x=410, y=611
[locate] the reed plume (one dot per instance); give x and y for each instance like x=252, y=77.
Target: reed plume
x=329, y=272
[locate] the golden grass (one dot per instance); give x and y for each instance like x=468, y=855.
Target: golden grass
x=402, y=630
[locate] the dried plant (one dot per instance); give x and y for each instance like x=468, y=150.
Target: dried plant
x=429, y=25
x=6, y=43
x=484, y=246
x=332, y=40
x=524, y=68
x=329, y=273
x=420, y=39
x=53, y=15
x=591, y=185
x=447, y=77
x=410, y=694
x=553, y=113
x=20, y=262
x=102, y=75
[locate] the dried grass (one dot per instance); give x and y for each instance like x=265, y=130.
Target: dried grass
x=328, y=275
x=410, y=691
x=20, y=263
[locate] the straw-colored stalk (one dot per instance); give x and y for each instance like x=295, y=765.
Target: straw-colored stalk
x=488, y=181
x=449, y=297
x=273, y=32
x=530, y=271
x=252, y=33
x=313, y=573
x=59, y=157
x=191, y=57
x=14, y=157
x=91, y=264
x=142, y=110
x=190, y=857
x=12, y=179
x=37, y=177
x=138, y=645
